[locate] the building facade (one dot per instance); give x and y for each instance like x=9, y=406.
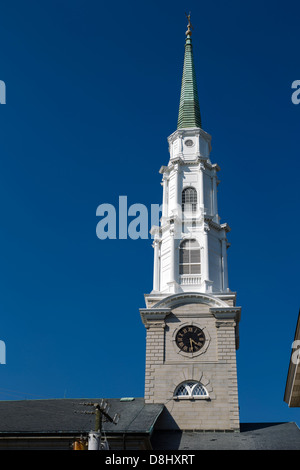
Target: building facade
x=191, y=315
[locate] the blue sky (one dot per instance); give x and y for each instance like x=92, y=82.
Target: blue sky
x=92, y=95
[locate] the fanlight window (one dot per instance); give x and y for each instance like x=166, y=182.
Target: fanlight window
x=189, y=257
x=191, y=389
x=189, y=200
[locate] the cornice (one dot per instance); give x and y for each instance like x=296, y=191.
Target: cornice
x=226, y=313
x=205, y=161
x=215, y=225
x=154, y=316
x=164, y=169
x=226, y=227
x=227, y=296
x=216, y=167
x=189, y=132
x=198, y=160
x=155, y=231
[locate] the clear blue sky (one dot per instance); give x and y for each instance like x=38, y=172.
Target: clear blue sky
x=92, y=95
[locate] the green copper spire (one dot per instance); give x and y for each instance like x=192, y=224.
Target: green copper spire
x=189, y=109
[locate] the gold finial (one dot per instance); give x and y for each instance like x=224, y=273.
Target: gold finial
x=189, y=32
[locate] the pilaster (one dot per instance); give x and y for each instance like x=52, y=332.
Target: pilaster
x=226, y=324
x=154, y=321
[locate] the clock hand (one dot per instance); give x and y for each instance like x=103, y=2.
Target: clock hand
x=198, y=344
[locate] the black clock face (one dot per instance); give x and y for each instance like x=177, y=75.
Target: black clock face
x=190, y=339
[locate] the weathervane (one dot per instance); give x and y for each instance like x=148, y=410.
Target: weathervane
x=189, y=32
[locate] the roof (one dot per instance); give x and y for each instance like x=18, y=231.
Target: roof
x=292, y=389
x=189, y=108
x=252, y=436
x=67, y=416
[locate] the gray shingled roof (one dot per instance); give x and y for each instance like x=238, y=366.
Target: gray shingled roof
x=253, y=436
x=59, y=416
x=65, y=416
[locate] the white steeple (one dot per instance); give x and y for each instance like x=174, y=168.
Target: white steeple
x=191, y=317
x=190, y=245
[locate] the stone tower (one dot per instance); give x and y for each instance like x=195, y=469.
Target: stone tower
x=191, y=317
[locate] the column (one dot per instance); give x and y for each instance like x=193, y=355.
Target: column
x=224, y=264
x=156, y=265
x=176, y=198
x=172, y=255
x=215, y=198
x=205, y=281
x=197, y=149
x=201, y=185
x=180, y=137
x=205, y=258
x=165, y=197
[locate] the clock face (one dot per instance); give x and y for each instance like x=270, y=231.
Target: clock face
x=190, y=339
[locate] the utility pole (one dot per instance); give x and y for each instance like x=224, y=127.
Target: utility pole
x=100, y=411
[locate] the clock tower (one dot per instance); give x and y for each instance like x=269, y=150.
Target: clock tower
x=191, y=317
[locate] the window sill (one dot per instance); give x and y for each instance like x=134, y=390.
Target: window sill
x=191, y=398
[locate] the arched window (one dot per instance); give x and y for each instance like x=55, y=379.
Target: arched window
x=189, y=257
x=189, y=200
x=191, y=389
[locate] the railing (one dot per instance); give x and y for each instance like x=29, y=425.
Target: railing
x=189, y=279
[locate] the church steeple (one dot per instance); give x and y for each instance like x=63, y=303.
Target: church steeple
x=189, y=108
x=191, y=315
